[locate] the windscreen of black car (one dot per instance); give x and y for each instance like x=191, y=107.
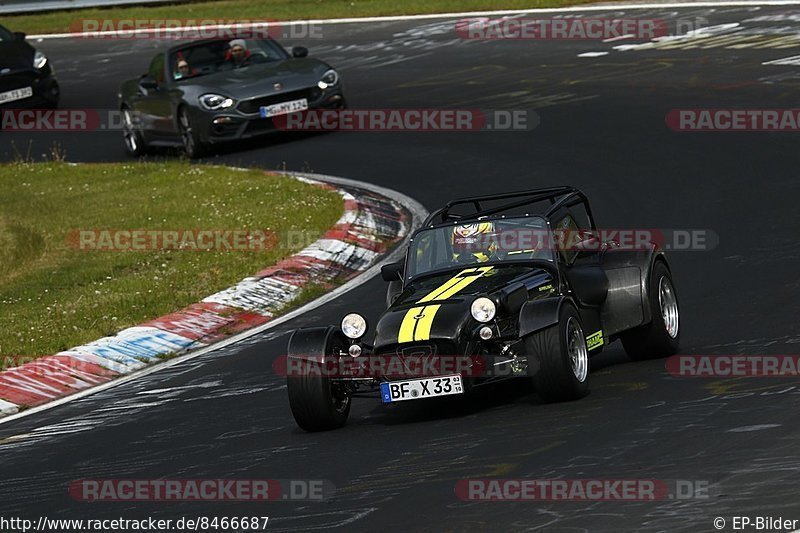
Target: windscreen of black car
x=5, y=35
x=215, y=56
x=456, y=245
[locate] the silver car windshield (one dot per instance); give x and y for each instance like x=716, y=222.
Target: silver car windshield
x=217, y=56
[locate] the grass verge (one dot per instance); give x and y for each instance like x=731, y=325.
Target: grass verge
x=230, y=10
x=54, y=295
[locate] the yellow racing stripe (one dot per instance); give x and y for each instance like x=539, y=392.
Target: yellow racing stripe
x=406, y=333
x=417, y=322
x=423, y=332
x=444, y=287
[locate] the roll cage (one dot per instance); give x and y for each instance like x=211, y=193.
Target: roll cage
x=553, y=198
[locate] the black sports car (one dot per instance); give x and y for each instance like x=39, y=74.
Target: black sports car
x=27, y=78
x=212, y=91
x=490, y=291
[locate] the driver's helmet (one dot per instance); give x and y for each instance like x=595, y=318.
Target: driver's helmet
x=474, y=242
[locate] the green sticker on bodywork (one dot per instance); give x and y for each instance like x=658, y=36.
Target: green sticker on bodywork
x=594, y=340
x=548, y=287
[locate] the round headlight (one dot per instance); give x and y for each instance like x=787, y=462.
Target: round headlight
x=39, y=60
x=483, y=309
x=354, y=326
x=329, y=79
x=213, y=102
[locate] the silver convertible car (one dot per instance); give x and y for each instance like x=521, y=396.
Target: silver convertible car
x=213, y=91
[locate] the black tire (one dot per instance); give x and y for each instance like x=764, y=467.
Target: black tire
x=549, y=362
x=655, y=339
x=54, y=97
x=135, y=144
x=192, y=145
x=315, y=401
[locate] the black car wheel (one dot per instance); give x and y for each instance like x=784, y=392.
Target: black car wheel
x=317, y=403
x=53, y=96
x=661, y=337
x=134, y=143
x=558, y=359
x=191, y=143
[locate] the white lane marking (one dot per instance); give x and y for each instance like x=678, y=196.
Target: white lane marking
x=757, y=427
x=131, y=406
x=205, y=385
x=792, y=61
x=418, y=213
x=466, y=14
x=355, y=515
x=690, y=37
x=593, y=54
x=626, y=36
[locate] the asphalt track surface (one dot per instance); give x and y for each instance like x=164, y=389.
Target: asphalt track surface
x=226, y=414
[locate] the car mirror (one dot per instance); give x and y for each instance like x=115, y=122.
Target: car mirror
x=392, y=272
x=299, y=51
x=20, y=36
x=148, y=82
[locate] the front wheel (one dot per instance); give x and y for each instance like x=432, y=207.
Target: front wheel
x=317, y=403
x=192, y=144
x=661, y=337
x=134, y=143
x=558, y=359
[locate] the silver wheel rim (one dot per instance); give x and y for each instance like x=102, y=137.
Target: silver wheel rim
x=669, y=306
x=576, y=350
x=186, y=133
x=129, y=132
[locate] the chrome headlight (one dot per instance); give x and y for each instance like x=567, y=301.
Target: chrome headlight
x=39, y=60
x=329, y=79
x=215, y=102
x=483, y=309
x=354, y=326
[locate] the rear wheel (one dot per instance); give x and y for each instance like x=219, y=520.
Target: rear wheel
x=558, y=359
x=317, y=403
x=661, y=337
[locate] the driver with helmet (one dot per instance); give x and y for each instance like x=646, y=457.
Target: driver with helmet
x=474, y=243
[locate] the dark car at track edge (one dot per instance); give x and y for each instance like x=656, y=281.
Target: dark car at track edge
x=27, y=77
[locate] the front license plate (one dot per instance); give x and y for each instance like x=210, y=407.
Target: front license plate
x=417, y=389
x=16, y=94
x=284, y=108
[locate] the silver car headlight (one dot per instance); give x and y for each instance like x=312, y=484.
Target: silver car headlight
x=215, y=102
x=329, y=79
x=483, y=309
x=354, y=326
x=39, y=60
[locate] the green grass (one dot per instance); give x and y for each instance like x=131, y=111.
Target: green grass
x=229, y=10
x=54, y=296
